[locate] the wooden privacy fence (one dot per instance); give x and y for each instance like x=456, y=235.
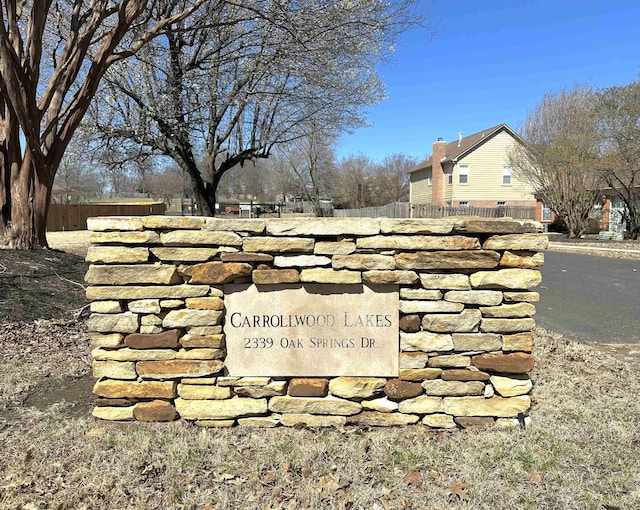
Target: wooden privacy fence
x=74, y=216
x=406, y=210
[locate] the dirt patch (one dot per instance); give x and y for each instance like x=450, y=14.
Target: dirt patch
x=73, y=394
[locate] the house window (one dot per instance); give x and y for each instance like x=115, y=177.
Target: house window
x=546, y=213
x=429, y=178
x=464, y=205
x=450, y=178
x=464, y=174
x=502, y=204
x=506, y=174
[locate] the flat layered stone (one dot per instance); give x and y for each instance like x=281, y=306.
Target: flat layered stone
x=445, y=281
x=498, y=226
x=423, y=404
x=150, y=320
x=116, y=255
x=465, y=322
x=507, y=325
x=512, y=363
x=397, y=390
x=173, y=369
x=518, y=342
x=251, y=225
x=237, y=382
x=511, y=386
x=415, y=306
x=418, y=374
x=106, y=307
x=525, y=260
x=356, y=387
x=114, y=370
x=475, y=297
x=218, y=424
x=449, y=361
x=311, y=420
x=184, y=254
x=334, y=247
x=517, y=242
x=275, y=276
x=203, y=392
x=236, y=407
x=217, y=273
x=464, y=259
x=477, y=342
x=273, y=389
x=382, y=405
x=313, y=405
x=517, y=297
x=109, y=388
x=479, y=406
x=323, y=226
x=201, y=353
x=363, y=262
x=113, y=402
x=128, y=354
x=158, y=410
x=426, y=342
x=301, y=261
x=260, y=422
x=145, y=237
x=416, y=226
x=150, y=330
x=188, y=317
x=206, y=381
x=421, y=294
x=113, y=413
x=113, y=322
x=105, y=223
x=384, y=277
x=375, y=419
x=171, y=304
x=204, y=330
x=441, y=388
x=308, y=387
x=190, y=341
x=464, y=374
x=418, y=242
x=200, y=237
x=468, y=422
x=166, y=340
x=109, y=340
x=173, y=222
x=244, y=256
x=322, y=275
x=439, y=421
x=410, y=323
x=516, y=279
x=413, y=359
x=205, y=303
x=278, y=244
x=144, y=306
x=152, y=291
x=518, y=310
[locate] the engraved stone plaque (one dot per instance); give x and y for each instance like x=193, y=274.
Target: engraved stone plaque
x=311, y=330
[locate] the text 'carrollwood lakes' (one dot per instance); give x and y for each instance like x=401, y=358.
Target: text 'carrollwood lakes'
x=347, y=320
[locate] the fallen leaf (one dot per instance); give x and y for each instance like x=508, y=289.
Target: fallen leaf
x=413, y=478
x=459, y=489
x=536, y=476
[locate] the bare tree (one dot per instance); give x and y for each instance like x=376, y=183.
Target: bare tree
x=354, y=175
x=255, y=75
x=391, y=180
x=560, y=154
x=53, y=55
x=619, y=115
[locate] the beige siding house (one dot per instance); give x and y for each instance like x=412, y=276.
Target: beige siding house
x=472, y=171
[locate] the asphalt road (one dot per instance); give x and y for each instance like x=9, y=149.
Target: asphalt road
x=590, y=298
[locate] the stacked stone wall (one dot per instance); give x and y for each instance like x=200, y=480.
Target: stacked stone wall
x=465, y=314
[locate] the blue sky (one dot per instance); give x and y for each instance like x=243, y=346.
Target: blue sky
x=491, y=62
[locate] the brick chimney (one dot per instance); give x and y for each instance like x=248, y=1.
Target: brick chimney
x=437, y=173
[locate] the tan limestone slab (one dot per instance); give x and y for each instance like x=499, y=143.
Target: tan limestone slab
x=518, y=297
x=518, y=342
x=475, y=297
x=220, y=409
x=145, y=237
x=150, y=330
x=128, y=354
x=184, y=254
x=174, y=222
x=312, y=420
x=518, y=310
x=211, y=381
x=430, y=307
x=273, y=389
x=190, y=341
x=381, y=405
x=356, y=387
x=321, y=275
x=467, y=321
x=334, y=247
x=200, y=237
x=426, y=342
x=171, y=304
x=218, y=424
x=259, y=422
x=150, y=320
x=445, y=281
x=418, y=242
x=511, y=259
x=116, y=255
x=243, y=381
x=449, y=361
x=376, y=419
x=278, y=244
x=423, y=404
x=532, y=242
x=439, y=421
x=287, y=261
x=146, y=292
x=157, y=410
x=477, y=342
x=415, y=359
x=323, y=226
x=510, y=279
x=382, y=277
x=204, y=330
x=109, y=388
x=188, y=317
x=201, y=353
x=441, y=388
x=463, y=259
x=419, y=374
x=251, y=225
x=363, y=262
x=113, y=323
x=497, y=226
x=113, y=413
x=205, y=303
x=245, y=256
x=507, y=325
x=173, y=369
x=105, y=223
x=203, y=392
x=106, y=307
x=417, y=226
x=217, y=273
x=480, y=406
x=275, y=276
x=511, y=386
x=109, y=340
x=314, y=405
x=114, y=370
x=144, y=306
x=421, y=294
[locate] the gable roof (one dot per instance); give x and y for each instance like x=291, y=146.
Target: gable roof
x=458, y=149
